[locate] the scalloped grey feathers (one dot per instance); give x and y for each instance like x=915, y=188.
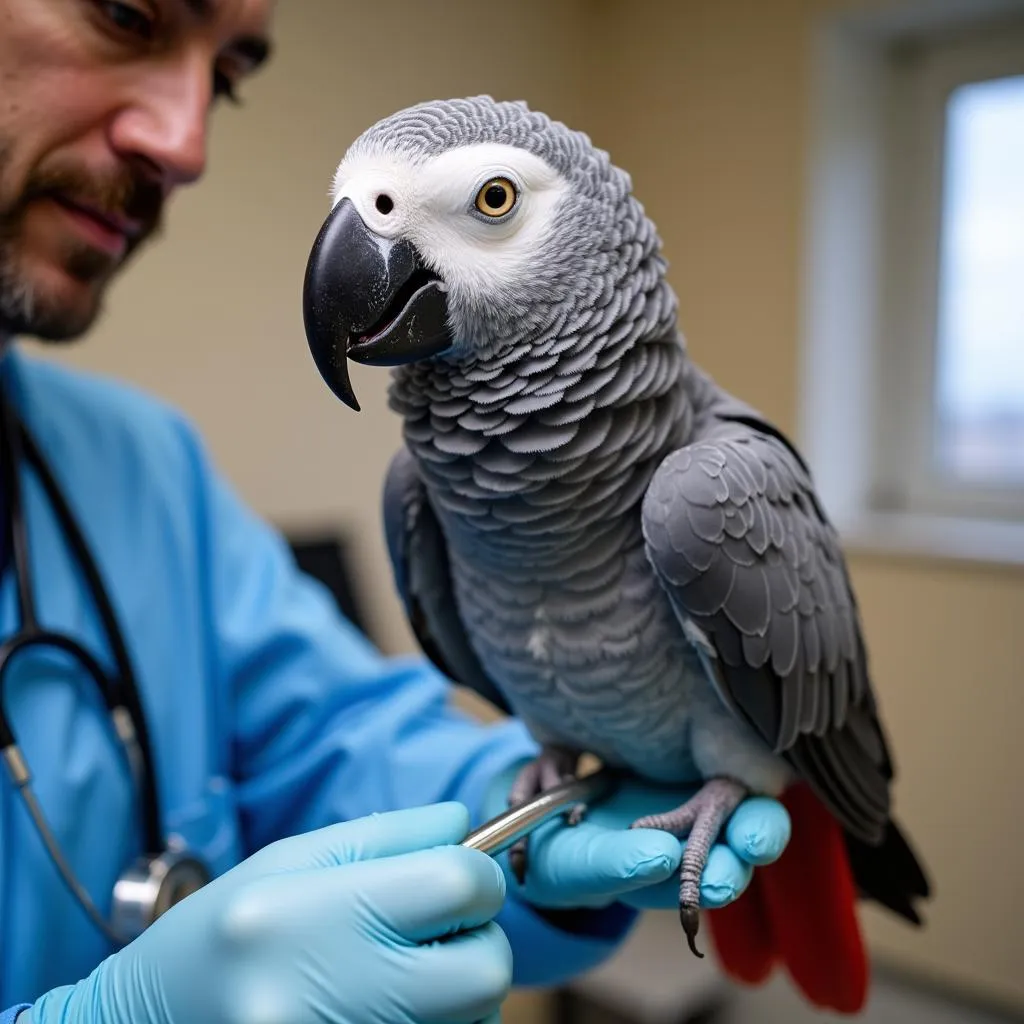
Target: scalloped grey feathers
x=738, y=538
x=417, y=551
x=576, y=500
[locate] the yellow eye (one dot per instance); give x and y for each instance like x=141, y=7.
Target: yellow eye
x=496, y=198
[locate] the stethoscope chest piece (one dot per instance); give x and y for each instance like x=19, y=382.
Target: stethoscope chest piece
x=150, y=887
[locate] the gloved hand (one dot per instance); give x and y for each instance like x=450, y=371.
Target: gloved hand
x=602, y=861
x=338, y=925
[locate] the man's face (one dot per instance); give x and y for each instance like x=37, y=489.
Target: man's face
x=104, y=111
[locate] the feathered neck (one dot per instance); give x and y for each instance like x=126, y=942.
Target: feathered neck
x=548, y=444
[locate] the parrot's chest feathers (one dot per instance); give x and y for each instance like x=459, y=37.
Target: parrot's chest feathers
x=540, y=504
x=594, y=661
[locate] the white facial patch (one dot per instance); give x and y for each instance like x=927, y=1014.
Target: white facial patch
x=431, y=202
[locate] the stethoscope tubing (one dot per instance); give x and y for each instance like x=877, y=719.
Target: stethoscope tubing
x=120, y=694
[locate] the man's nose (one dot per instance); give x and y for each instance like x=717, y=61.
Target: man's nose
x=166, y=124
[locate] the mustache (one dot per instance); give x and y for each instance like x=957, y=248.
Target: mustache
x=122, y=193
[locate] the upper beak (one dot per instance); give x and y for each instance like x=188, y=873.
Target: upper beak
x=370, y=299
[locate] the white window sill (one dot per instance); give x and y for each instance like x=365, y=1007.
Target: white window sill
x=935, y=538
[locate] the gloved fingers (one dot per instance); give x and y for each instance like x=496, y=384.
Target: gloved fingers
x=463, y=979
x=725, y=878
x=396, y=902
x=591, y=864
x=660, y=896
x=378, y=835
x=423, y=896
x=759, y=830
x=756, y=834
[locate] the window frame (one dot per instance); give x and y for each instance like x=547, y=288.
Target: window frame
x=922, y=75
x=853, y=377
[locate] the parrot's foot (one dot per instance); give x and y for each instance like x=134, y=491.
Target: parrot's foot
x=699, y=820
x=552, y=767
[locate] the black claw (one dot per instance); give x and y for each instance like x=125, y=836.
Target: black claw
x=690, y=918
x=517, y=862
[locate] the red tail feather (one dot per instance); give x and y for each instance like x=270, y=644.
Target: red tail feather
x=800, y=911
x=743, y=936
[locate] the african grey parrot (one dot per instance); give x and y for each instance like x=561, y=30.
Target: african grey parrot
x=591, y=533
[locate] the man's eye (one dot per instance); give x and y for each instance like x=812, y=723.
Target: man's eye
x=128, y=18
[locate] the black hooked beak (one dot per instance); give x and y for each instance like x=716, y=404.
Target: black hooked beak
x=369, y=299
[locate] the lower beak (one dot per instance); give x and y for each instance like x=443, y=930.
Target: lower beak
x=369, y=299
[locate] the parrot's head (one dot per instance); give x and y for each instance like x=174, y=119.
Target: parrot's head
x=463, y=228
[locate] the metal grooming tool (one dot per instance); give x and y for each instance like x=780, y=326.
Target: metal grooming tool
x=501, y=832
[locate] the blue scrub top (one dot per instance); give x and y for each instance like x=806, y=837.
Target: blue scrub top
x=269, y=713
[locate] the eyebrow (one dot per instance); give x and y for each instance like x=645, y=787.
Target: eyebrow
x=255, y=49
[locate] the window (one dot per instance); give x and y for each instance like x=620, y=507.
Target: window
x=914, y=372
x=978, y=422
x=951, y=440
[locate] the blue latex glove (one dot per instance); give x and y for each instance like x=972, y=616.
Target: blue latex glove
x=338, y=925
x=602, y=861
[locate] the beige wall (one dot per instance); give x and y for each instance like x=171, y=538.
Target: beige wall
x=705, y=103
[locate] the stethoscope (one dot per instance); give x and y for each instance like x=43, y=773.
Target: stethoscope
x=165, y=872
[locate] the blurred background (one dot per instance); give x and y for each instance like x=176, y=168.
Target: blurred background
x=840, y=191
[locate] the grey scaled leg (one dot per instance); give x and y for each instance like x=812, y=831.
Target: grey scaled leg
x=699, y=820
x=552, y=767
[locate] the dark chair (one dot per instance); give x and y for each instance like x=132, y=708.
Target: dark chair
x=326, y=556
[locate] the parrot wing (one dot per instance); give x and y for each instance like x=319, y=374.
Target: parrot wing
x=740, y=543
x=755, y=572
x=419, y=560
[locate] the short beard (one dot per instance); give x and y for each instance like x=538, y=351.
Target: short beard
x=26, y=308
x=17, y=298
